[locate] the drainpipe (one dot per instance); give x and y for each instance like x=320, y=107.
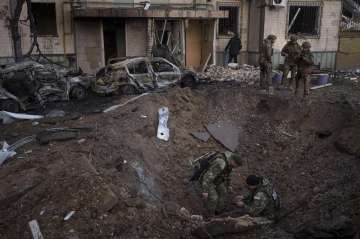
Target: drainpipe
x=63, y=28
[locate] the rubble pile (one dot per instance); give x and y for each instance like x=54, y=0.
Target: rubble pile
x=245, y=74
x=350, y=74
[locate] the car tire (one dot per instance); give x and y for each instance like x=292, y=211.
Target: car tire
x=78, y=92
x=128, y=90
x=187, y=81
x=10, y=105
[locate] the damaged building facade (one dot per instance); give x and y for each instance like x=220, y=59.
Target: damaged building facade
x=89, y=33
x=314, y=21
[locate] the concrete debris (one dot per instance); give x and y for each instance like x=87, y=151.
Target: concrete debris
x=8, y=117
x=35, y=230
x=348, y=74
x=61, y=134
x=203, y=136
x=183, y=212
x=245, y=74
x=8, y=151
x=226, y=133
x=69, y=215
x=5, y=153
x=163, y=132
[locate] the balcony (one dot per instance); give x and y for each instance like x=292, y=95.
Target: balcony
x=140, y=4
x=189, y=9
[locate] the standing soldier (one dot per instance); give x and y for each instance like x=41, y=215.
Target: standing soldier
x=233, y=47
x=266, y=63
x=291, y=52
x=304, y=63
x=215, y=181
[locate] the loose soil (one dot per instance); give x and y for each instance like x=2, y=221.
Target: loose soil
x=122, y=182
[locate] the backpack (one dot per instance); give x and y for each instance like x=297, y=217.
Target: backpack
x=201, y=164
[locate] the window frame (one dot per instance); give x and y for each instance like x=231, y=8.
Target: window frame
x=238, y=23
x=318, y=4
x=56, y=32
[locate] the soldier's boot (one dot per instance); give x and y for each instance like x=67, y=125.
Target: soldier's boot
x=290, y=84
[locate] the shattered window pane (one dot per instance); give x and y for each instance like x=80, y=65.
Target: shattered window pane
x=230, y=23
x=138, y=68
x=45, y=18
x=304, y=20
x=161, y=66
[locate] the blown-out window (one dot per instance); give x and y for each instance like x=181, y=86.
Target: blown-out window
x=45, y=18
x=227, y=25
x=304, y=20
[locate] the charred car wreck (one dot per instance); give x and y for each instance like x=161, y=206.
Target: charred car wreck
x=30, y=84
x=141, y=74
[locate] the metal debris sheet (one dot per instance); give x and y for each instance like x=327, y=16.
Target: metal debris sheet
x=226, y=133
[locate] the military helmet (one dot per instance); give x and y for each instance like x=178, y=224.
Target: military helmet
x=293, y=38
x=271, y=37
x=233, y=156
x=306, y=45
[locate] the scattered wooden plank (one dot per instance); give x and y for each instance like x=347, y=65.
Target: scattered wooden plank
x=206, y=62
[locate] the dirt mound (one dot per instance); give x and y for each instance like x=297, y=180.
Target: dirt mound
x=122, y=182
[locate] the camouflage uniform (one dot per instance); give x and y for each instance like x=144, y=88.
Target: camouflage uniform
x=291, y=51
x=216, y=182
x=266, y=64
x=304, y=62
x=260, y=201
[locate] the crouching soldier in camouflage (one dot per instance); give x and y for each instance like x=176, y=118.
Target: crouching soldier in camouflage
x=291, y=52
x=262, y=199
x=215, y=181
x=305, y=63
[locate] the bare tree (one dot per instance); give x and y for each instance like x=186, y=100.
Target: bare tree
x=16, y=8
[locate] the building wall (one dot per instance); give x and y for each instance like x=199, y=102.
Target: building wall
x=5, y=40
x=327, y=43
x=222, y=41
x=60, y=45
x=255, y=28
x=136, y=37
x=349, y=51
x=89, y=44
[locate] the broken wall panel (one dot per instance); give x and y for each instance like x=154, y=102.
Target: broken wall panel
x=136, y=37
x=89, y=44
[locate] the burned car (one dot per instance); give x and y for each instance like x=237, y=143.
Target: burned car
x=30, y=84
x=141, y=74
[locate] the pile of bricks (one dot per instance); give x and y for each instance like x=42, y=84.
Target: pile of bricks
x=244, y=74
